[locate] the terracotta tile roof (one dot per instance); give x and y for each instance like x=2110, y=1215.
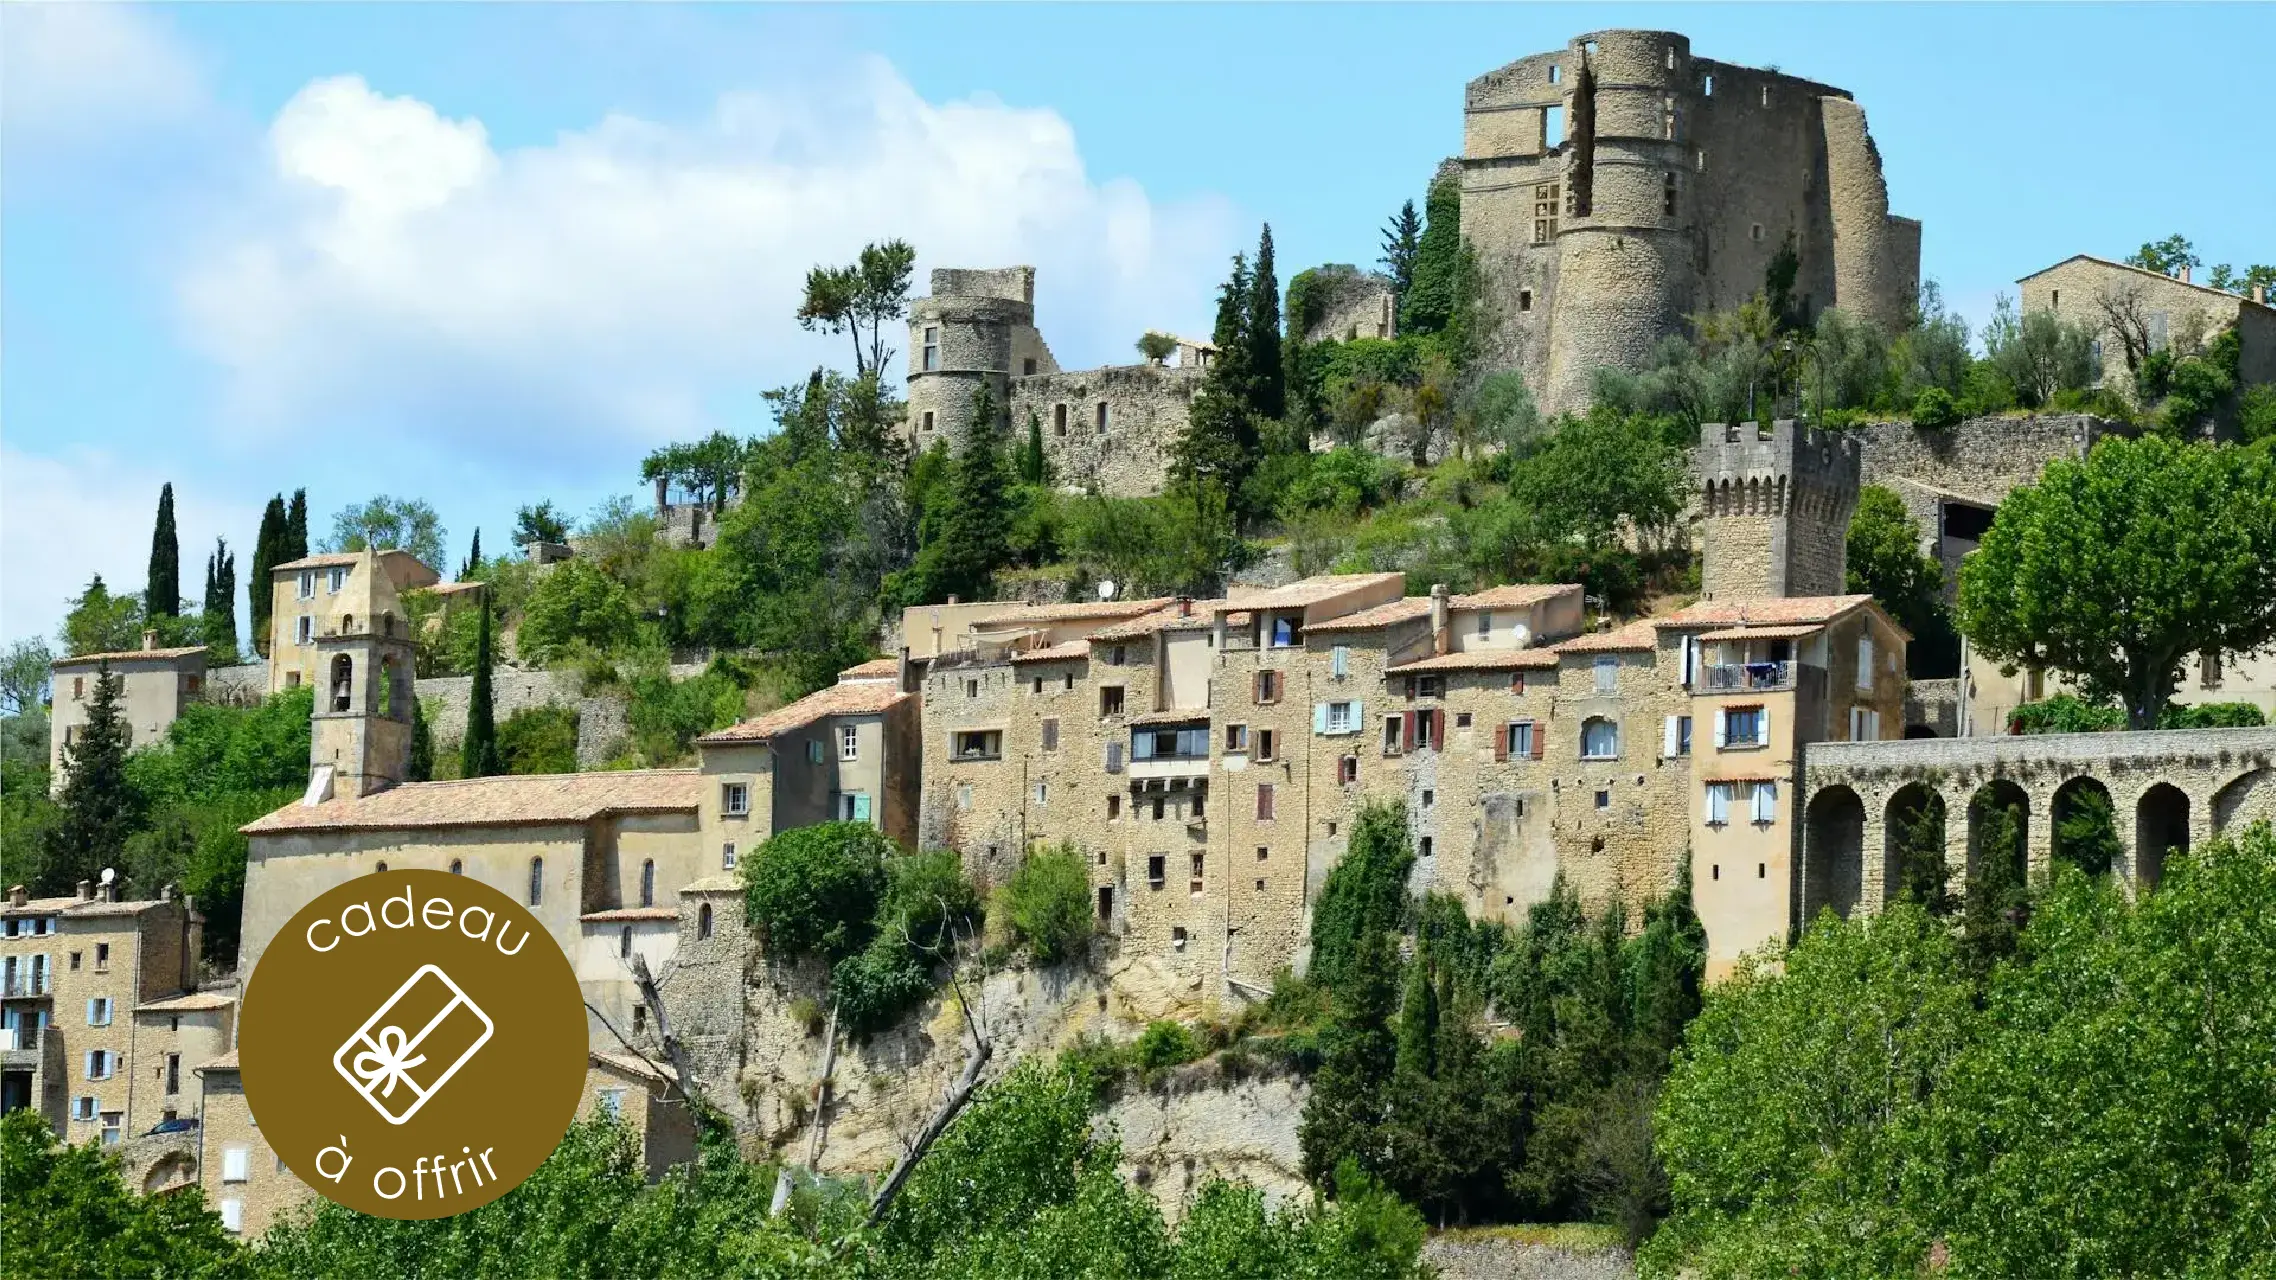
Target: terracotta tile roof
x=101, y=908
x=226, y=1062
x=1310, y=591
x=194, y=1002
x=1634, y=636
x=38, y=906
x=630, y=1065
x=1480, y=660
x=1075, y=611
x=872, y=669
x=510, y=799
x=1766, y=633
x=1771, y=611
x=1055, y=653
x=1382, y=615
x=1517, y=595
x=321, y=559
x=1164, y=619
x=456, y=588
x=856, y=698
x=630, y=914
x=724, y=882
x=127, y=655
x=1175, y=715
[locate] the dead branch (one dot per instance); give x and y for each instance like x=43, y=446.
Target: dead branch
x=983, y=1048
x=783, y=1176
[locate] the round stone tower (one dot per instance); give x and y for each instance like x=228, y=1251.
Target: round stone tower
x=1626, y=268
x=960, y=339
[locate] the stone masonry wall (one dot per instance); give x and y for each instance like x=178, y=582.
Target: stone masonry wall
x=601, y=720
x=1146, y=407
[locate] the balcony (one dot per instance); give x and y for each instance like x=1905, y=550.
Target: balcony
x=1747, y=677
x=25, y=986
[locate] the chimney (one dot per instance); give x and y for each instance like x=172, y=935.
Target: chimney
x=86, y=891
x=2184, y=273
x=1441, y=634
x=149, y=639
x=16, y=896
x=1185, y=606
x=166, y=893
x=2260, y=294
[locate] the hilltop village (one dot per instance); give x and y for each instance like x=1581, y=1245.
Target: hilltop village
x=1711, y=697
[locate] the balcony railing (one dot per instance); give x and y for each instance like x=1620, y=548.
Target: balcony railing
x=19, y=986
x=1739, y=676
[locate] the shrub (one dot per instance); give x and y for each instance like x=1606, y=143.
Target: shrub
x=1935, y=409
x=2065, y=713
x=1166, y=1044
x=814, y=890
x=2211, y=715
x=877, y=985
x=1047, y=902
x=539, y=740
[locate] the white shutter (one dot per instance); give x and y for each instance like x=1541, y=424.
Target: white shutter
x=1865, y=661
x=1762, y=727
x=236, y=1163
x=1766, y=802
x=1339, y=659
x=233, y=1215
x=1668, y=740
x=1718, y=802
x=1722, y=728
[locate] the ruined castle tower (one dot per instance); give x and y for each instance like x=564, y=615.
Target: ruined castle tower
x=976, y=327
x=1774, y=506
x=1619, y=184
x=361, y=728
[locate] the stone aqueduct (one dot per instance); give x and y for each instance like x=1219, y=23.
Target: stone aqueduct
x=2168, y=790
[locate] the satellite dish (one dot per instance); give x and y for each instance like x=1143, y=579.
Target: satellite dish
x=109, y=875
x=1524, y=635
x=1106, y=590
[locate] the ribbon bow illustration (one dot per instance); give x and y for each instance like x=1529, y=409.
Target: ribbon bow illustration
x=382, y=1068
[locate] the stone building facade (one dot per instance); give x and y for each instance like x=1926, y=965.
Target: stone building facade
x=1779, y=498
x=353, y=592
x=1616, y=185
x=154, y=685
x=1107, y=429
x=2161, y=311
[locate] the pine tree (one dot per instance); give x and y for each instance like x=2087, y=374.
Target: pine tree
x=473, y=563
x=1401, y=236
x=98, y=807
x=1268, y=388
x=260, y=588
x=1219, y=444
x=162, y=598
x=296, y=528
x=478, y=750
x=974, y=524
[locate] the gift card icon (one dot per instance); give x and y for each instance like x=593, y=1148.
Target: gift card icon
x=411, y=1046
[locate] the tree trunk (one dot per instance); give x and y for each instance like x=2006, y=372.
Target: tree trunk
x=957, y=1097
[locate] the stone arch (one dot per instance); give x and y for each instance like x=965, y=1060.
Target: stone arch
x=170, y=1170
x=2083, y=822
x=343, y=681
x=2246, y=799
x=2161, y=827
x=703, y=921
x=1914, y=824
x=1984, y=810
x=1833, y=854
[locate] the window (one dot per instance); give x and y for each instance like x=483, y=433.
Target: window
x=113, y=1122
x=1525, y=300
x=1754, y=232
x=624, y=943
x=1195, y=880
x=727, y=856
x=174, y=1066
x=1707, y=86
x=639, y=1018
x=1051, y=733
x=1765, y=803
x=1485, y=624
x=703, y=921
x=932, y=352
x=963, y=795
x=1027, y=367
x=1428, y=687
x=1461, y=719
x=1671, y=57
x=1283, y=633
x=100, y=1064
x=1105, y=903
x=1552, y=127
x=78, y=688
x=1742, y=727
x=1675, y=737
x=1264, y=853
x=236, y=1163
x=1339, y=661
x=1556, y=74
x=1766, y=95
x=1110, y=700
x=1607, y=674
x=1392, y=735
x=1043, y=793
x=1865, y=661
x=1036, y=687
x=648, y=883
x=1429, y=798
x=536, y=881
x=1068, y=682
x=1264, y=745
x=972, y=688
x=611, y=1103
x=1522, y=741
x=1156, y=870
x=83, y=1108
x=1517, y=682
x=1604, y=797
x=1718, y=803
x=1267, y=689
x=734, y=799
x=1102, y=417
x=308, y=584
x=1160, y=808
x=1428, y=847
x=103, y=952
x=99, y=1011
x=75, y=961
x=1118, y=655
x=1864, y=724
x=1177, y=938
x=335, y=578
x=1667, y=191
x=1236, y=737
x=1600, y=739
x=304, y=630
x=1059, y=419
x=457, y=868
x=977, y=744
x=1339, y=717
x=849, y=742
x=1264, y=802
x=928, y=419
x=1113, y=808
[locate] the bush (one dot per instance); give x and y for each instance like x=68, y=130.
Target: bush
x=814, y=890
x=2065, y=713
x=1166, y=1044
x=1047, y=902
x=2211, y=715
x=1935, y=408
x=539, y=740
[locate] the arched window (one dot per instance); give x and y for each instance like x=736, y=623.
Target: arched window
x=383, y=866
x=703, y=922
x=343, y=681
x=387, y=686
x=648, y=883
x=1600, y=738
x=536, y=881
x=457, y=868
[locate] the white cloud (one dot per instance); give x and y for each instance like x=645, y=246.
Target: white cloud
x=87, y=511
x=72, y=75
x=636, y=280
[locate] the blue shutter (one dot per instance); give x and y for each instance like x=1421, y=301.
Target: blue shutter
x=861, y=806
x=1320, y=717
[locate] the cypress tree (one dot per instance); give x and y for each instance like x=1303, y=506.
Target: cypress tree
x=473, y=563
x=1219, y=444
x=162, y=597
x=1997, y=904
x=268, y=548
x=296, y=528
x=1402, y=235
x=1268, y=388
x=1032, y=466
x=1344, y=1117
x=97, y=808
x=1428, y=304
x=974, y=537
x=478, y=751
x=221, y=599
x=422, y=763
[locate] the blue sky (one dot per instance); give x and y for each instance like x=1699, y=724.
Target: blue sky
x=487, y=254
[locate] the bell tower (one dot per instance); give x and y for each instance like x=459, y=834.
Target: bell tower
x=361, y=730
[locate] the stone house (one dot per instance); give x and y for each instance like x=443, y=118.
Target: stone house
x=636, y=1093
x=155, y=685
x=334, y=593
x=2132, y=311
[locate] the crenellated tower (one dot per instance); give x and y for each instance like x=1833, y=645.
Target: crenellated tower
x=1774, y=506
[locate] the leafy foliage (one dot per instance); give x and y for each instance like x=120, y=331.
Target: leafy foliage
x=100, y=622
x=814, y=890
x=98, y=807
x=1885, y=561
x=163, y=595
x=541, y=739
x=71, y=1214
x=2065, y=713
x=1365, y=894
x=576, y=603
x=381, y=523
x=539, y=523
x=1047, y=902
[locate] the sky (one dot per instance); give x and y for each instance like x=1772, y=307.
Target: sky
x=487, y=255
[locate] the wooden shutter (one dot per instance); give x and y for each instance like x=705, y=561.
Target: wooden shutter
x=1762, y=728
x=1502, y=742
x=1540, y=739
x=1438, y=728
x=1256, y=688
x=1406, y=731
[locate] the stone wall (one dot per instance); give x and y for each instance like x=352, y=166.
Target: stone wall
x=1491, y=1254
x=242, y=685
x=601, y=717
x=1352, y=304
x=1145, y=408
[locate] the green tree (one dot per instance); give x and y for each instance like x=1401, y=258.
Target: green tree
x=1268, y=388
x=24, y=677
x=295, y=544
x=859, y=298
x=1798, y=1099
x=385, y=523
x=1921, y=870
x=540, y=523
x=1885, y=562
x=100, y=622
x=1048, y=903
x=1218, y=447
x=1365, y=894
x=974, y=519
x=220, y=611
x=2086, y=831
x=575, y=603
x=163, y=596
x=70, y=1214
x=1034, y=464
x=478, y=750
x=539, y=740
x=1156, y=348
x=2166, y=257
x=1402, y=240
x=1997, y=902
x=472, y=565
x=709, y=468
x=815, y=890
x=98, y=808
x=1343, y=1119
x=421, y=767
x=1426, y=305
x=1595, y=472
x=2038, y=352
x=2113, y=569
x=260, y=585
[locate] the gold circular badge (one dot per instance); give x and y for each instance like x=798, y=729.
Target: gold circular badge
x=413, y=1044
